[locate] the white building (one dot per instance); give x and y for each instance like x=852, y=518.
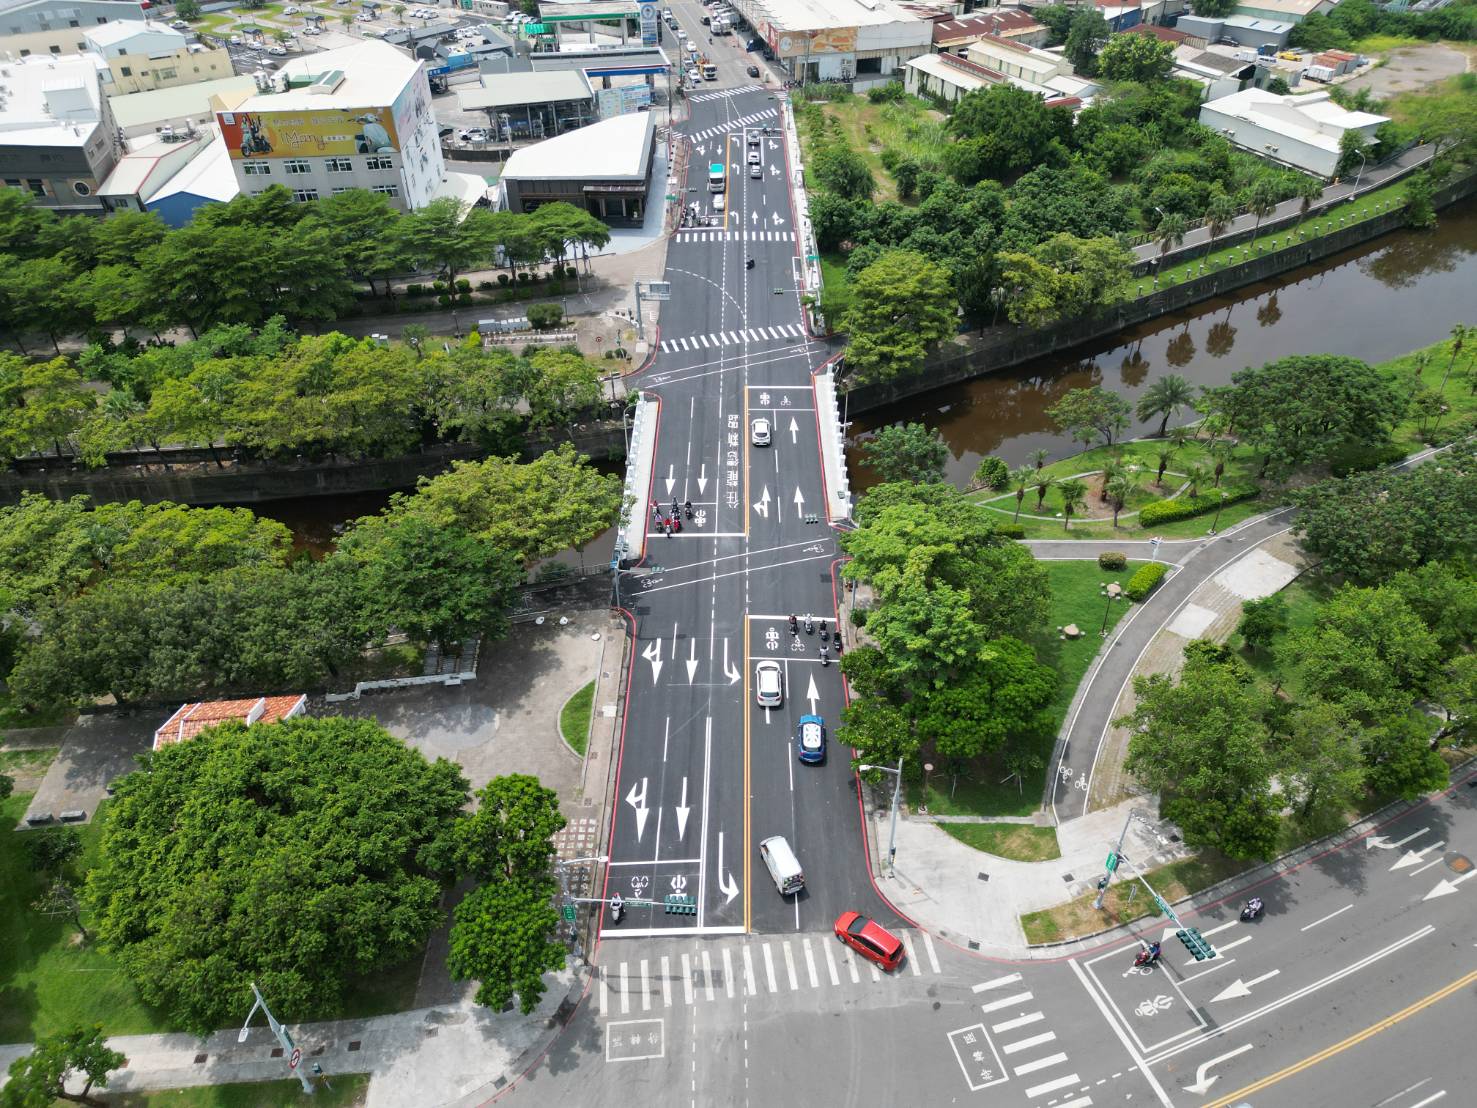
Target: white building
x=864, y=41
x=355, y=117
x=57, y=138
x=37, y=27
x=1301, y=131
x=1016, y=59
x=181, y=108
x=142, y=57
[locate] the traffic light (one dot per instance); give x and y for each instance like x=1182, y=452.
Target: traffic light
x=679, y=904
x=1195, y=943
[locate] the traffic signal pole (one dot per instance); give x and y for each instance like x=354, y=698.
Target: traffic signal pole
x=1193, y=941
x=1112, y=862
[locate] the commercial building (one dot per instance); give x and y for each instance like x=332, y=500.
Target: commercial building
x=35, y=27
x=531, y=105
x=604, y=168
x=862, y=41
x=1301, y=131
x=1254, y=31
x=180, y=108
x=954, y=36
x=1176, y=36
x=148, y=56
x=947, y=77
x=207, y=179
x=1015, y=59
x=995, y=61
x=57, y=138
x=355, y=117
x=1284, y=11
x=150, y=165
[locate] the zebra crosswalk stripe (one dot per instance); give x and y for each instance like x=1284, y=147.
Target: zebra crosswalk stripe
x=728, y=972
x=645, y=988
x=831, y=964
x=769, y=969
x=687, y=978
x=666, y=982
x=708, y=973
x=749, y=985
x=733, y=338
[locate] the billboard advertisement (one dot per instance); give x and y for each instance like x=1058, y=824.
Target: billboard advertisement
x=648, y=22
x=309, y=133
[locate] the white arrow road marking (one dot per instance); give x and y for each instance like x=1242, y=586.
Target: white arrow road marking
x=671, y=478
x=755, y=214
x=1416, y=857
x=731, y=672
x=653, y=654
x=702, y=478
x=799, y=500
x=762, y=504
x=1240, y=988
x=794, y=430
x=1446, y=888
x=812, y=695
x=774, y=170
x=777, y=219
x=726, y=884
x=636, y=798
x=1385, y=844
x=683, y=811
x=1202, y=1082
x=691, y=662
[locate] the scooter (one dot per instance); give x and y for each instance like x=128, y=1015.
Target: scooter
x=825, y=635
x=1148, y=956
x=617, y=908
x=687, y=508
x=809, y=625
x=794, y=626
x=825, y=657
x=1252, y=911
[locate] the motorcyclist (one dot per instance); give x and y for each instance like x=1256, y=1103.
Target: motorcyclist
x=617, y=908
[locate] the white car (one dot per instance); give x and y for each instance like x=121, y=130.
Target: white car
x=759, y=433
x=291, y=9
x=694, y=76
x=769, y=684
x=179, y=24
x=235, y=40
x=681, y=36
x=364, y=17
x=277, y=51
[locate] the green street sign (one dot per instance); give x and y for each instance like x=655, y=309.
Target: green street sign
x=568, y=912
x=1161, y=905
x=1112, y=863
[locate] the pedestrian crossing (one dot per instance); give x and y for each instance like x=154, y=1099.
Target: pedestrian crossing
x=756, y=967
x=699, y=234
x=724, y=94
x=1023, y=1048
x=732, y=125
x=733, y=338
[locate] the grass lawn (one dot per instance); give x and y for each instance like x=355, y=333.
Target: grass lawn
x=1019, y=841
x=1459, y=395
x=1127, y=900
x=1304, y=597
x=1375, y=45
x=574, y=717
x=981, y=789
x=836, y=288
x=910, y=127
x=345, y=1091
x=27, y=763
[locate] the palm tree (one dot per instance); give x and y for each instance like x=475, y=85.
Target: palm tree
x=1165, y=454
x=1072, y=493
x=1119, y=489
x=1171, y=232
x=1459, y=335
x=1039, y=456
x=1044, y=483
x=1113, y=468
x=1308, y=190
x=1220, y=451
x=1263, y=202
x=1021, y=477
x=1196, y=474
x=1220, y=213
x=1165, y=397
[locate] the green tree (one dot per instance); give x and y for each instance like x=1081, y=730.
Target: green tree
x=1212, y=9
x=901, y=305
x=1091, y=413
x=1261, y=203
x=1202, y=743
x=1171, y=231
x=50, y=403
x=879, y=732
x=501, y=937
x=1004, y=695
x=991, y=473
x=1073, y=494
x=1220, y=213
x=1262, y=621
x=563, y=388
x=1455, y=690
x=1323, y=773
x=446, y=237
x=360, y=226
x=1444, y=596
x=1043, y=483
x=1141, y=58
x=53, y=849
x=510, y=834
x=1118, y=490
x=1164, y=398
x=907, y=452
x=1354, y=153
x=1089, y=33
x=1064, y=276
x=1003, y=130
x=1420, y=212
x=39, y=1079
x=435, y=583
x=285, y=854
x=1368, y=651
x=1021, y=479
x=839, y=169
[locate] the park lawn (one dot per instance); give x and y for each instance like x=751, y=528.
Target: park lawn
x=574, y=718
x=1020, y=842
x=1314, y=227
x=836, y=283
x=984, y=788
x=343, y=1091
x=1127, y=900
x=1460, y=393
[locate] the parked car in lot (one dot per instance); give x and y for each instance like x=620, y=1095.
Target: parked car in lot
x=870, y=939
x=277, y=51
x=291, y=9
x=179, y=24
x=769, y=684
x=810, y=740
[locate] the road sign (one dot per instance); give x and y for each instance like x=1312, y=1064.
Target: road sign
x=658, y=290
x=1164, y=908
x=297, y=1056
x=568, y=913
x=1112, y=863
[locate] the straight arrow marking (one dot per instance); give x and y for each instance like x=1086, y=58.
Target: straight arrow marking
x=1446, y=888
x=683, y=811
x=692, y=661
x=1240, y=988
x=702, y=478
x=1416, y=857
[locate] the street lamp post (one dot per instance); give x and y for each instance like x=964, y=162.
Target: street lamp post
x=1216, y=521
x=897, y=788
x=1110, y=591
x=1113, y=859
x=1363, y=157
x=566, y=902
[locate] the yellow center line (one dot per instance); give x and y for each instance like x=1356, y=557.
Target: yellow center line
x=1352, y=1041
x=744, y=662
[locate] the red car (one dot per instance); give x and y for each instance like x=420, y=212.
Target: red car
x=869, y=939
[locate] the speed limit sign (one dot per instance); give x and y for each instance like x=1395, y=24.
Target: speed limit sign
x=297, y=1056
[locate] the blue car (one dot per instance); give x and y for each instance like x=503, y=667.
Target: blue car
x=810, y=740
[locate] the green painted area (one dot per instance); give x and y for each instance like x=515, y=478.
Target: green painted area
x=575, y=716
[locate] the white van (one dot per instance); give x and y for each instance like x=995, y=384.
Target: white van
x=784, y=867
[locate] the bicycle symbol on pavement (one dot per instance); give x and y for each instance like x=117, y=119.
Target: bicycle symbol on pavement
x=784, y=402
x=1153, y=1007
x=813, y=548
x=797, y=644
x=639, y=883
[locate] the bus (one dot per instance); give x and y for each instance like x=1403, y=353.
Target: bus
x=716, y=173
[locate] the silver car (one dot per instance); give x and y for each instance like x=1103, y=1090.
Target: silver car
x=769, y=684
x=759, y=432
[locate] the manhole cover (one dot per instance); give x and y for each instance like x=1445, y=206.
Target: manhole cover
x=1457, y=863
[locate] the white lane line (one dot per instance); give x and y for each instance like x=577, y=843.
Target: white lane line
x=769, y=968
x=1027, y=1044
x=933, y=958
x=1234, y=944
x=912, y=954
x=1428, y=865
x=790, y=967
x=1006, y=1002
x=1326, y=918
x=625, y=992
x=997, y=983
x=810, y=963
x=707, y=973
x=645, y=987
x=687, y=978
x=1219, y=964
x=728, y=972
x=750, y=985
x=1052, y=1086
x=1039, y=1063
x=666, y=982
x=1019, y=1021
x=1430, y=1099
x=1218, y=930
x=831, y=964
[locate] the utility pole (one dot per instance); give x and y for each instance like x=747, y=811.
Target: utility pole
x=290, y=1051
x=566, y=901
x=897, y=788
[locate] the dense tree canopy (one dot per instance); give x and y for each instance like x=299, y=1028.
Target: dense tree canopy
x=907, y=452
x=1135, y=57
x=901, y=305
x=288, y=854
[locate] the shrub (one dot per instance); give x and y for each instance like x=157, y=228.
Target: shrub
x=1360, y=458
x=570, y=272
x=886, y=94
x=1142, y=583
x=1112, y=559
x=1183, y=507
x=438, y=286
x=464, y=298
x=415, y=290
x=991, y=473
x=525, y=277
x=545, y=316
x=503, y=279
x=444, y=300
x=1011, y=530
x=463, y=285
x=485, y=286
x=859, y=617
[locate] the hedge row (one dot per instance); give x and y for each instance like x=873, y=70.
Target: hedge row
x=1183, y=507
x=1142, y=583
x=1010, y=530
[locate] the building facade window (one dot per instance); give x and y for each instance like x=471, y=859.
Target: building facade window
x=35, y=185
x=386, y=190
x=298, y=165
x=126, y=71
x=379, y=161
x=167, y=74
x=305, y=194
x=340, y=165
x=339, y=191
x=257, y=169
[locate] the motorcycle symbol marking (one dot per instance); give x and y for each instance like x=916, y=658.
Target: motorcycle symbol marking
x=679, y=883
x=1153, y=1007
x=771, y=639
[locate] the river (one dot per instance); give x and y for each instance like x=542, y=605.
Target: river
x=1374, y=302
